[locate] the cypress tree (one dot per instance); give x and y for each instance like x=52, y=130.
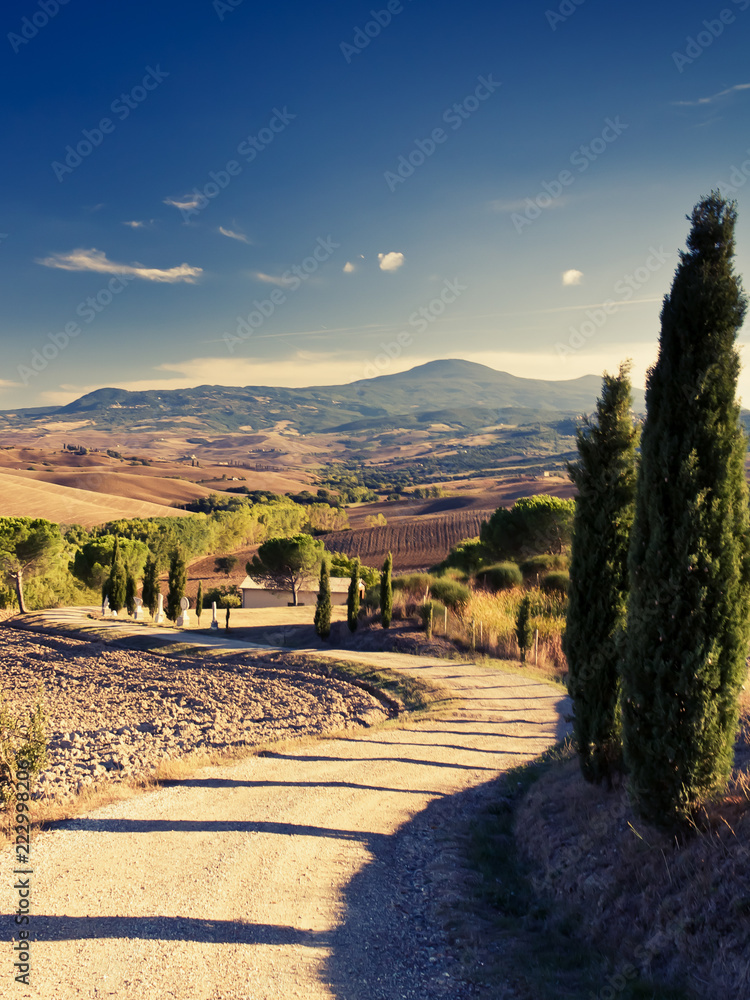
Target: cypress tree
x=605, y=475
x=386, y=592
x=117, y=580
x=687, y=632
x=323, y=605
x=150, y=592
x=524, y=631
x=177, y=584
x=352, y=600
x=130, y=593
x=199, y=601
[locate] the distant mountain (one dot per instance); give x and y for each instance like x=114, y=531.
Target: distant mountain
x=459, y=393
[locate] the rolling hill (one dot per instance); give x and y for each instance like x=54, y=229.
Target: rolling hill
x=451, y=392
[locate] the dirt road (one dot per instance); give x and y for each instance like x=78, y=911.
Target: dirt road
x=297, y=874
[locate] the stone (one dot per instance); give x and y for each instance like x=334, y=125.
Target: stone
x=159, y=616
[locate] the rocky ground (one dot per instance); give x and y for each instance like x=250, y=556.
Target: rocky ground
x=116, y=714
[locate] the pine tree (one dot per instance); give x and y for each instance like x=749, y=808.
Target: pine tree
x=130, y=593
x=605, y=476
x=386, y=592
x=117, y=580
x=689, y=608
x=524, y=631
x=199, y=601
x=352, y=600
x=150, y=592
x=323, y=605
x=177, y=585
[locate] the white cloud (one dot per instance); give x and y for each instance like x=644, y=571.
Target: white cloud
x=390, y=261
x=714, y=97
x=572, y=277
x=283, y=281
x=349, y=267
x=96, y=260
x=188, y=203
x=233, y=235
x=139, y=224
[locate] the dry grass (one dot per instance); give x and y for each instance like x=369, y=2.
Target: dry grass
x=675, y=911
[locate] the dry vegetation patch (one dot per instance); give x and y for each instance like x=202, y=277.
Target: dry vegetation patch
x=675, y=911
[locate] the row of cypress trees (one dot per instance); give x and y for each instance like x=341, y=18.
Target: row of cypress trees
x=323, y=604
x=121, y=586
x=659, y=604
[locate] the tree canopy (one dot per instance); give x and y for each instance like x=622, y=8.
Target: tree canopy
x=532, y=525
x=287, y=563
x=27, y=546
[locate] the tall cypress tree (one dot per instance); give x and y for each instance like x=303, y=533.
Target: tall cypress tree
x=323, y=605
x=117, y=579
x=150, y=592
x=177, y=584
x=605, y=476
x=524, y=631
x=386, y=592
x=687, y=633
x=130, y=592
x=199, y=601
x=352, y=600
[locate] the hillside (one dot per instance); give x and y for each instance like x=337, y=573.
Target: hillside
x=450, y=391
x=21, y=497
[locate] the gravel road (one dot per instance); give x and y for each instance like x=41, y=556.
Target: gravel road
x=304, y=873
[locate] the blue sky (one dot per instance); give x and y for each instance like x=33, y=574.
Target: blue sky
x=238, y=193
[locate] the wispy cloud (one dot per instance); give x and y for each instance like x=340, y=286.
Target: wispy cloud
x=714, y=97
x=390, y=261
x=188, y=203
x=349, y=267
x=96, y=260
x=233, y=235
x=572, y=277
x=139, y=224
x=283, y=281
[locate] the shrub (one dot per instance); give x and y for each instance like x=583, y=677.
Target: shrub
x=556, y=581
x=426, y=613
x=450, y=592
x=541, y=564
x=501, y=576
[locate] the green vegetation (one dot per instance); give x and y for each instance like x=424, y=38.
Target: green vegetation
x=150, y=592
x=177, y=584
x=386, y=592
x=605, y=475
x=199, y=601
x=28, y=547
x=323, y=604
x=500, y=576
x=532, y=525
x=225, y=564
x=352, y=598
x=524, y=629
x=689, y=609
x=287, y=563
x=118, y=580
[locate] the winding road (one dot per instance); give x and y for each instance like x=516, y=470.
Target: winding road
x=297, y=873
